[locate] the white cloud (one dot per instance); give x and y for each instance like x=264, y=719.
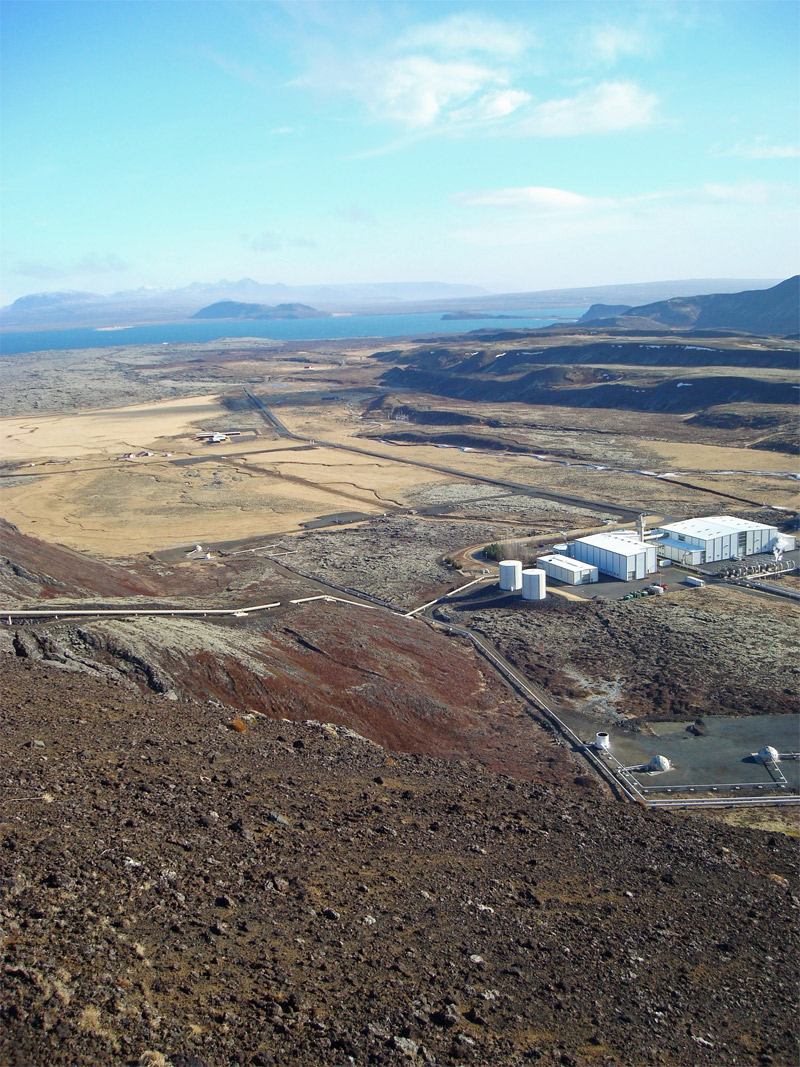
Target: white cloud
x=760, y=148
x=743, y=193
x=416, y=90
x=552, y=221
x=280, y=130
x=605, y=108
x=461, y=34
x=455, y=72
x=496, y=104
x=608, y=43
x=529, y=197
x=465, y=72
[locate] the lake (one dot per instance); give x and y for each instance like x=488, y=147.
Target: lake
x=342, y=326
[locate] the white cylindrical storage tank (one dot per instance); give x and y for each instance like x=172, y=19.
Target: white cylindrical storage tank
x=511, y=575
x=768, y=754
x=534, y=584
x=603, y=741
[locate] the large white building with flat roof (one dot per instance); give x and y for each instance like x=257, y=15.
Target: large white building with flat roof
x=623, y=556
x=714, y=538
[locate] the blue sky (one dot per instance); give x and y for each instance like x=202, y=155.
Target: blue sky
x=525, y=145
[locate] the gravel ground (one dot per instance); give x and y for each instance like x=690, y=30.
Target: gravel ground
x=485, y=501
x=182, y=889
x=392, y=558
x=682, y=655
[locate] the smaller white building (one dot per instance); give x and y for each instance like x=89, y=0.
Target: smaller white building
x=623, y=556
x=715, y=538
x=571, y=571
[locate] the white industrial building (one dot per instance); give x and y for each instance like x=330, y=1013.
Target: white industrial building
x=571, y=571
x=623, y=556
x=717, y=537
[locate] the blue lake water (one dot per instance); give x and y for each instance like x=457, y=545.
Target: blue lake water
x=12, y=342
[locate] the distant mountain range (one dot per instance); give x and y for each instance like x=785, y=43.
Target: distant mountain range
x=147, y=305
x=234, y=309
x=71, y=308
x=756, y=311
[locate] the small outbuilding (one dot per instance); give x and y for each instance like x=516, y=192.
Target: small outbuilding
x=571, y=571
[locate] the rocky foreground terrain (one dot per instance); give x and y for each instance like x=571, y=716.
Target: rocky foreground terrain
x=185, y=886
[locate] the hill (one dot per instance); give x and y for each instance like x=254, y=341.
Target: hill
x=149, y=304
x=181, y=892
x=755, y=311
x=234, y=309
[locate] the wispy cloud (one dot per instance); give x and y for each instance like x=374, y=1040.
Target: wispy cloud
x=529, y=198
x=468, y=74
x=97, y=263
x=249, y=74
x=607, y=44
x=357, y=215
x=32, y=269
x=463, y=34
x=492, y=105
x=419, y=91
x=270, y=241
x=514, y=215
x=454, y=72
x=741, y=193
x=422, y=91
x=90, y=263
x=604, y=108
x=280, y=131
x=761, y=148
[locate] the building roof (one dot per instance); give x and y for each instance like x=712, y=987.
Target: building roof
x=623, y=546
x=567, y=563
x=713, y=526
x=673, y=542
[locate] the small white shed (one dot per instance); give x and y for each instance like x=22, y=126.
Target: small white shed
x=571, y=571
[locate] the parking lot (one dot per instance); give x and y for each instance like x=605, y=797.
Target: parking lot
x=612, y=589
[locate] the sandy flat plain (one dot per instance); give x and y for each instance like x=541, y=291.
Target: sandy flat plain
x=694, y=457
x=83, y=495
x=109, y=432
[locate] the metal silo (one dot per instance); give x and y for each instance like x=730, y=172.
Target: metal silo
x=534, y=584
x=511, y=575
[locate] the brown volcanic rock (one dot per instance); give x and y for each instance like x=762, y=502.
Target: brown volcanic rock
x=33, y=568
x=293, y=895
x=394, y=680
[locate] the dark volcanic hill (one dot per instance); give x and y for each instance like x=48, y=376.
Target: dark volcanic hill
x=234, y=309
x=756, y=311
